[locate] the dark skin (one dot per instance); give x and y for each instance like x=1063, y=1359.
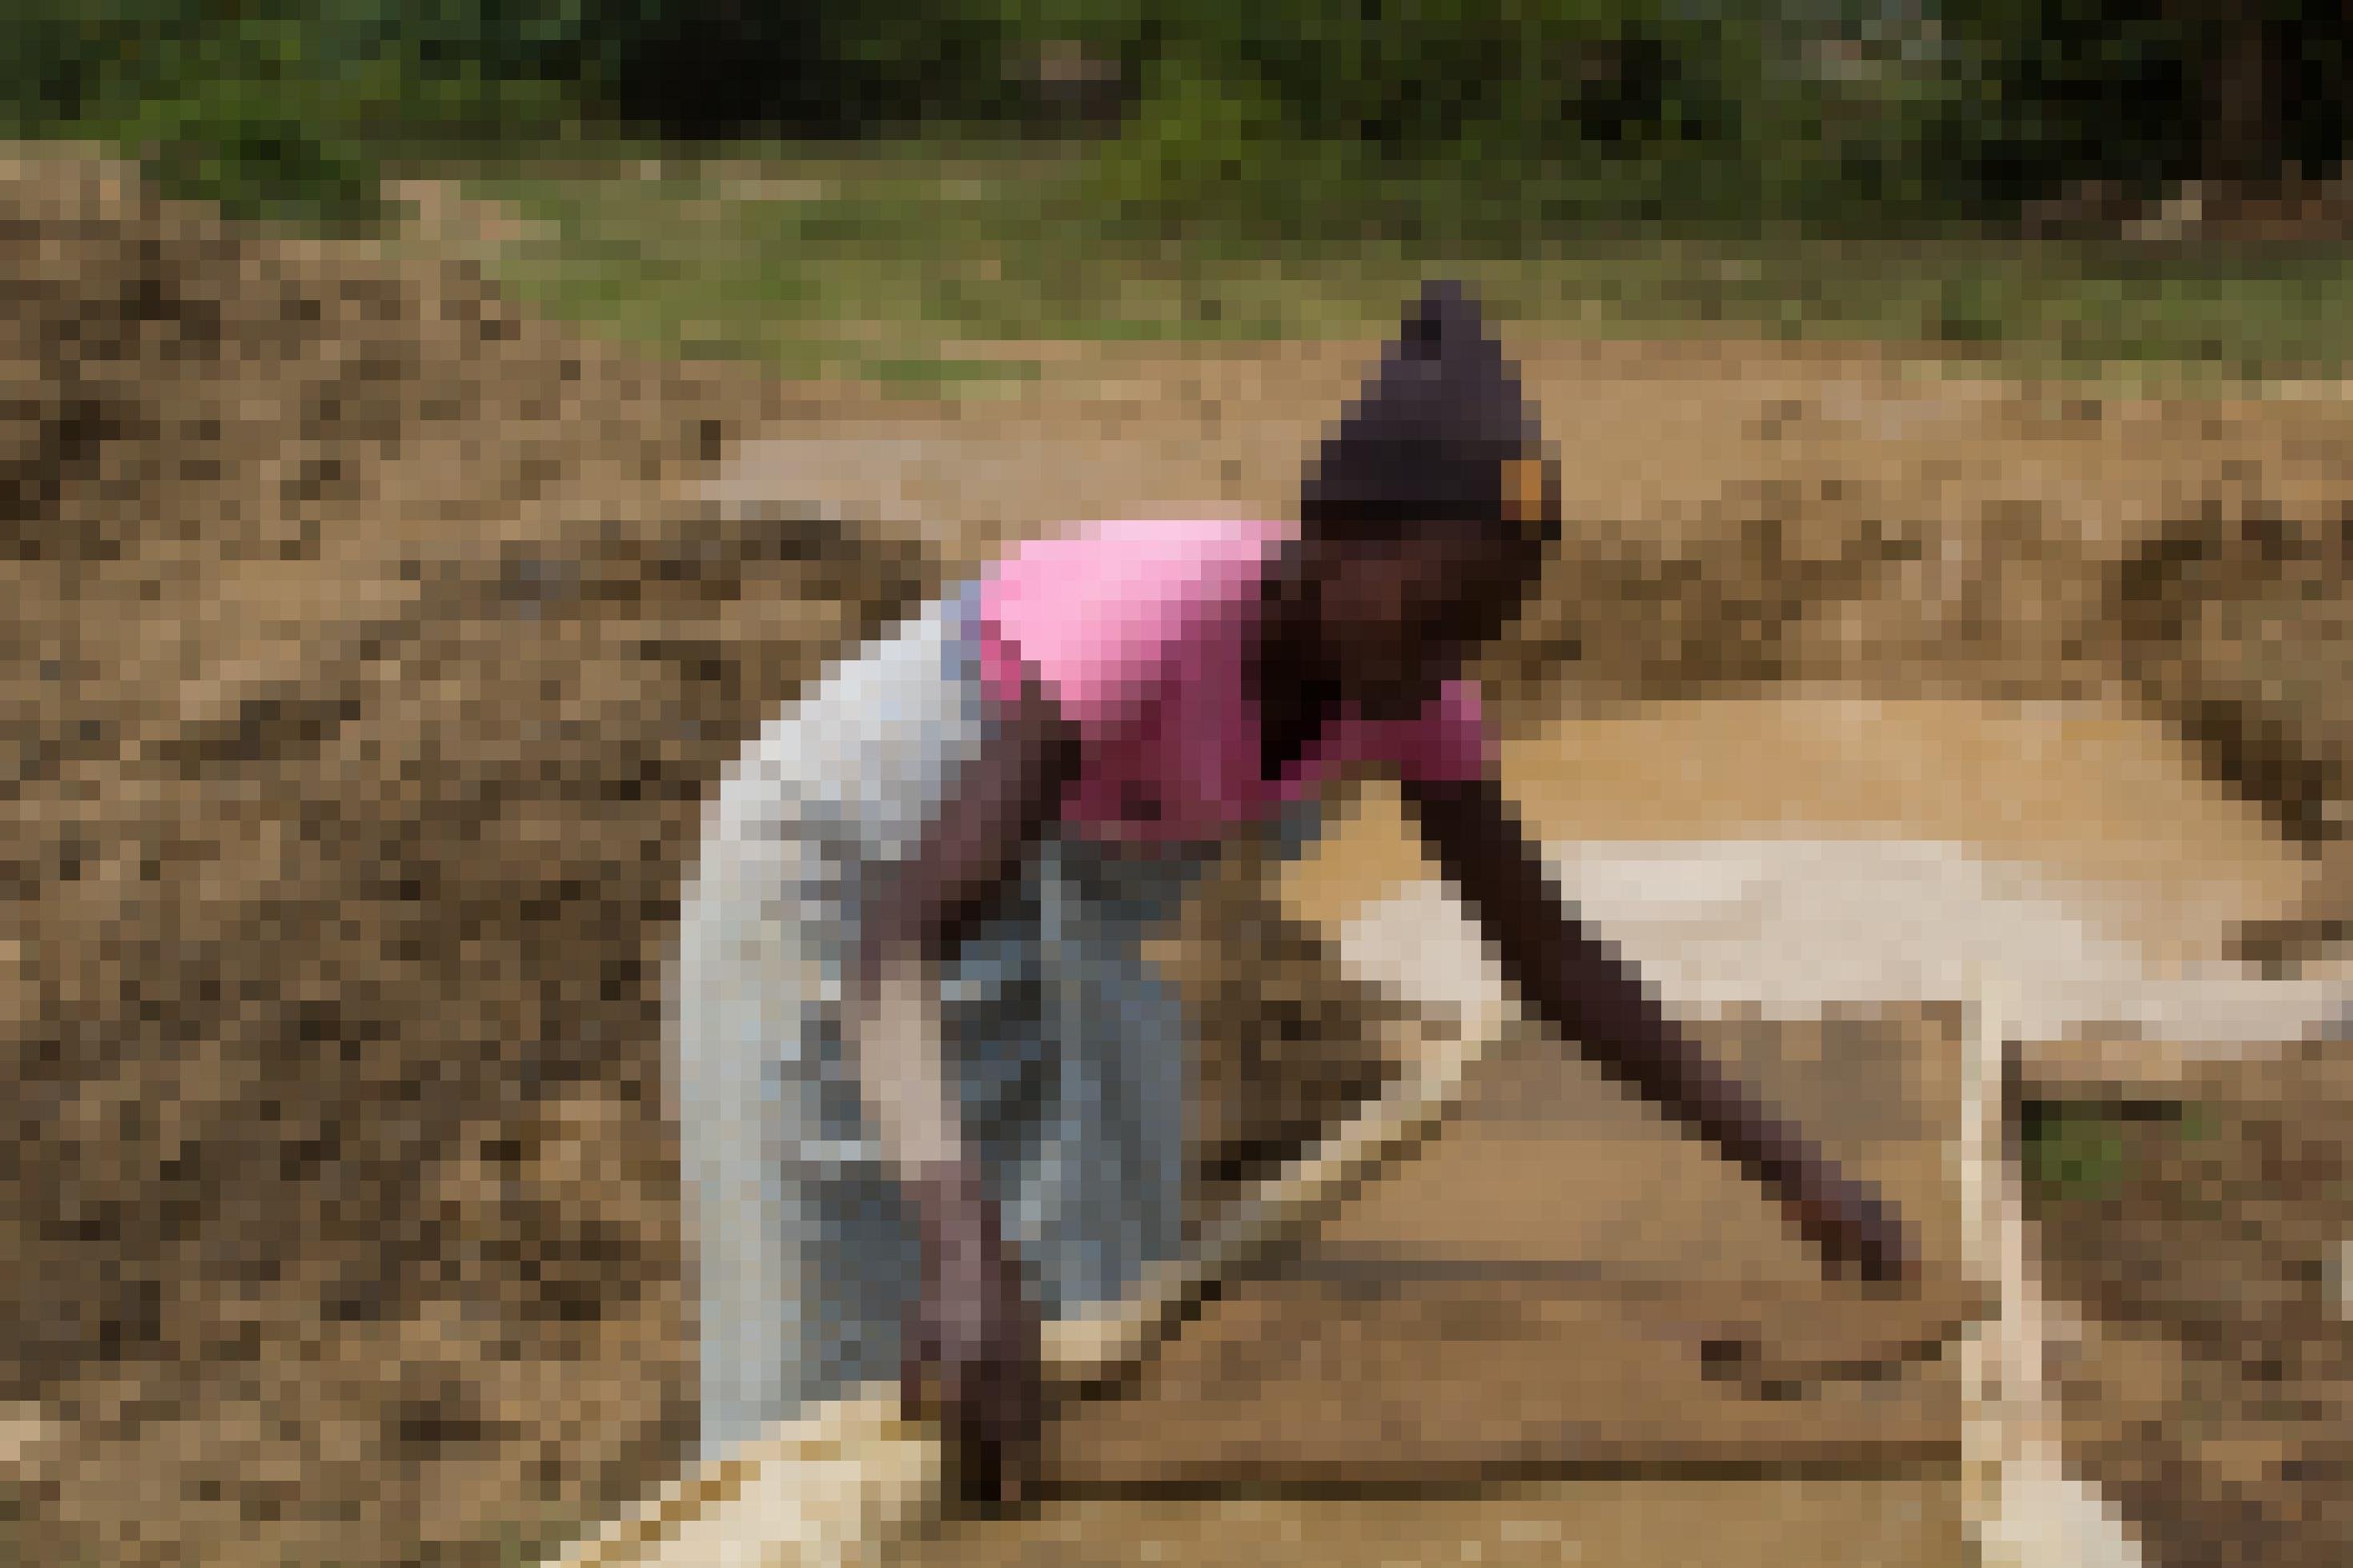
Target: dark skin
x=1382, y=614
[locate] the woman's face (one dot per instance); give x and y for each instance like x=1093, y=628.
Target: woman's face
x=1392, y=611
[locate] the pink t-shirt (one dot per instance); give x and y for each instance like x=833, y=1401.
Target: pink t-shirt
x=1137, y=631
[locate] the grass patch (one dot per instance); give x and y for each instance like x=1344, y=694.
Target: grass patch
x=2084, y=1151
x=922, y=376
x=882, y=257
x=2073, y=1152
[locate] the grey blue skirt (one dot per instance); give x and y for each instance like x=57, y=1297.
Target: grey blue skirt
x=1068, y=1049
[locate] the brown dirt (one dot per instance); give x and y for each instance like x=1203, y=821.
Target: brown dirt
x=369, y=657
x=2213, y=1390
x=374, y=644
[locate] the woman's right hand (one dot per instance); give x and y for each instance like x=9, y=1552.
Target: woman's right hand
x=1856, y=1232
x=972, y=1351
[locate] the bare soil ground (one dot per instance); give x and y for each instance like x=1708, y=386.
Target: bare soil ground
x=366, y=663
x=373, y=645
x=2211, y=1393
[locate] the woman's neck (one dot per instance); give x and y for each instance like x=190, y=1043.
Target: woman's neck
x=1293, y=693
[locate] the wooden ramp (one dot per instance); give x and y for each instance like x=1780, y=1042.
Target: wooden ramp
x=1490, y=1357
x=1910, y=1521
x=1388, y=1380
x=1528, y=1298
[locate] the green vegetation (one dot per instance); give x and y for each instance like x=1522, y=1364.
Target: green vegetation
x=274, y=110
x=877, y=188
x=2075, y=1152
x=1410, y=115
x=2081, y=1152
x=829, y=260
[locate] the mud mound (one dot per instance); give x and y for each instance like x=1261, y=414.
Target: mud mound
x=2235, y=627
x=1793, y=578
x=365, y=669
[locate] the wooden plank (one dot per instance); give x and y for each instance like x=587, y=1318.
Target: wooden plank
x=1657, y=1204
x=1910, y=1521
x=1391, y=1372
x=2026, y=1508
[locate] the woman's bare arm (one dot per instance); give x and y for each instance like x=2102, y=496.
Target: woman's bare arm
x=1593, y=997
x=994, y=812
x=970, y=1354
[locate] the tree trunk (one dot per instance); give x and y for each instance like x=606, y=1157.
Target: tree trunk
x=2240, y=141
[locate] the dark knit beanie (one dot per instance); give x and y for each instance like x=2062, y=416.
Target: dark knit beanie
x=1429, y=438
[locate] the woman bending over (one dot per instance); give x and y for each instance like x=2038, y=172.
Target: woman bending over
x=930, y=1088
